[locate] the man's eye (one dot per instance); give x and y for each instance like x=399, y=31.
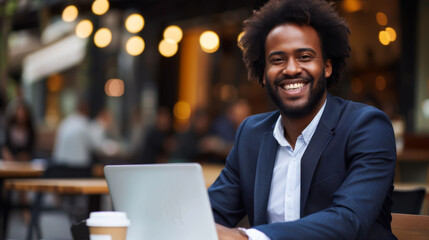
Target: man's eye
x=276, y=60
x=305, y=57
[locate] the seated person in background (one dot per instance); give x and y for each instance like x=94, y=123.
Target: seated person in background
x=188, y=144
x=221, y=138
x=159, y=141
x=20, y=132
x=320, y=167
x=77, y=138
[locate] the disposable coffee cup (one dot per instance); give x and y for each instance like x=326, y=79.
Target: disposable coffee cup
x=108, y=225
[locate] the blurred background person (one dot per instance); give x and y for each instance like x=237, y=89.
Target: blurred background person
x=135, y=139
x=78, y=138
x=188, y=147
x=159, y=140
x=20, y=132
x=221, y=138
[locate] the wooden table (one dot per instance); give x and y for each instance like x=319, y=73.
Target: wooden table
x=94, y=187
x=11, y=169
x=20, y=169
x=60, y=186
x=85, y=186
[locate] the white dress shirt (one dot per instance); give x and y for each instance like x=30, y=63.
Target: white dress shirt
x=285, y=193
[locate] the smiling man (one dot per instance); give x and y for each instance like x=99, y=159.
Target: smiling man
x=320, y=167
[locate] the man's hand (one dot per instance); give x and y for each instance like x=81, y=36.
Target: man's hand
x=225, y=233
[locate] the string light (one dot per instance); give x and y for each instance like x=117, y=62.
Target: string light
x=384, y=38
x=209, y=41
x=84, y=28
x=100, y=7
x=103, y=37
x=392, y=33
x=174, y=33
x=135, y=46
x=381, y=18
x=134, y=23
x=168, y=47
x=70, y=13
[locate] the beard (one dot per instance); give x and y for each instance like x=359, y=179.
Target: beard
x=316, y=94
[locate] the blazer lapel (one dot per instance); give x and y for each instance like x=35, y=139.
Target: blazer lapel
x=264, y=174
x=322, y=136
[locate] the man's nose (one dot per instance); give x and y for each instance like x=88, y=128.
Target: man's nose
x=292, y=68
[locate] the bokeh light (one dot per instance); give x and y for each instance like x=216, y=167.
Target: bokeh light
x=384, y=38
x=174, y=33
x=381, y=18
x=135, y=46
x=352, y=5
x=70, y=13
x=100, y=7
x=380, y=82
x=392, y=33
x=84, y=28
x=103, y=37
x=134, y=23
x=114, y=88
x=240, y=35
x=182, y=110
x=209, y=41
x=168, y=47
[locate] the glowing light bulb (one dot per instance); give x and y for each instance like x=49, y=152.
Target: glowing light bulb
x=84, y=28
x=103, y=37
x=70, y=13
x=168, y=47
x=100, y=7
x=135, y=46
x=174, y=33
x=209, y=41
x=134, y=23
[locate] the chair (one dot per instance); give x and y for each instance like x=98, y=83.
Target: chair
x=407, y=226
x=408, y=201
x=53, y=171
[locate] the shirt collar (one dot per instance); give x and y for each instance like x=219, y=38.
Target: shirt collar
x=307, y=133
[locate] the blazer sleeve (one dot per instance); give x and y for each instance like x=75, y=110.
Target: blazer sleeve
x=359, y=200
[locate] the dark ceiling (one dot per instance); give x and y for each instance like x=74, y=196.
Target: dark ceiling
x=29, y=13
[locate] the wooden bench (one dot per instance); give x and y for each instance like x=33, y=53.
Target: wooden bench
x=407, y=226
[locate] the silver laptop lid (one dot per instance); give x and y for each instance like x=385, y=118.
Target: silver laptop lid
x=162, y=201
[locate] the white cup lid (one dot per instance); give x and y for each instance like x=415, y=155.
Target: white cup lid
x=107, y=219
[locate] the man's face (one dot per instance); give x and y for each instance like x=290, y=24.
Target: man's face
x=295, y=73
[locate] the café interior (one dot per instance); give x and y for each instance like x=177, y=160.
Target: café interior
x=173, y=66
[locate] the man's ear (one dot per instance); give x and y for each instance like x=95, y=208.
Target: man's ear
x=263, y=80
x=328, y=68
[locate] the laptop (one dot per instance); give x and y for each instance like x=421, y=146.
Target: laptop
x=162, y=201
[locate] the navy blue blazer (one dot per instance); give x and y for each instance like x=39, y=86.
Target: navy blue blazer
x=347, y=175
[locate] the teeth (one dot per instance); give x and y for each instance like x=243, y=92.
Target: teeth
x=293, y=86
